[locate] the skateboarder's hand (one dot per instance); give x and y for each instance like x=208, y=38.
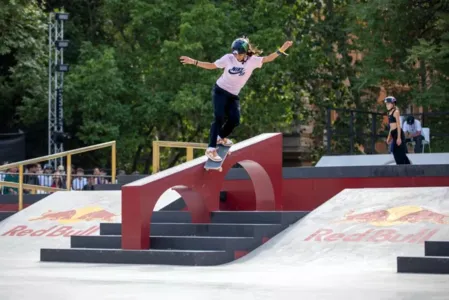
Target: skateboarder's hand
x=185, y=60
x=286, y=45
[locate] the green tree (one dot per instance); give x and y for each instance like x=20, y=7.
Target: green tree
x=22, y=63
x=404, y=44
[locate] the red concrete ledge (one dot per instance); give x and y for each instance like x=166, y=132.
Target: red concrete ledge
x=260, y=156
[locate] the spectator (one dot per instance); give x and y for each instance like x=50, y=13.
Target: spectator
x=412, y=129
x=90, y=184
x=2, y=176
x=39, y=175
x=97, y=175
x=11, y=176
x=46, y=178
x=120, y=173
x=58, y=181
x=61, y=170
x=103, y=179
x=31, y=177
x=79, y=182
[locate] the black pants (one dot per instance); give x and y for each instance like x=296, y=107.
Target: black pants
x=399, y=152
x=226, y=114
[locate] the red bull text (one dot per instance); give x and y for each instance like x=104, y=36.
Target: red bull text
x=82, y=215
x=372, y=236
x=53, y=231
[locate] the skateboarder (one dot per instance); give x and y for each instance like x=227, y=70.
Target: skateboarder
x=238, y=67
x=396, y=135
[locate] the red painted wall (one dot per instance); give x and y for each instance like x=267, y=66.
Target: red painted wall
x=11, y=207
x=308, y=194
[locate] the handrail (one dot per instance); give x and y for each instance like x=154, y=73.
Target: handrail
x=67, y=154
x=30, y=186
x=58, y=155
x=189, y=147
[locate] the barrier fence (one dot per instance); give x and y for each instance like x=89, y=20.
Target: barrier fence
x=66, y=154
x=351, y=131
x=188, y=146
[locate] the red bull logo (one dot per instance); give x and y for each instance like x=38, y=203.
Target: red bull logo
x=86, y=214
x=395, y=216
x=385, y=218
x=77, y=215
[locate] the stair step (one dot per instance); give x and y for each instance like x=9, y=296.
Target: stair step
x=189, y=229
x=242, y=217
x=153, y=257
x=423, y=265
x=171, y=217
x=257, y=217
x=6, y=214
x=169, y=242
x=436, y=248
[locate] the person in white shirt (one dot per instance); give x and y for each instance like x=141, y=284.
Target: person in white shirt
x=238, y=67
x=413, y=132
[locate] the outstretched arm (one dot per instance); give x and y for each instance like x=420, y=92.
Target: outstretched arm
x=190, y=61
x=398, y=121
x=281, y=51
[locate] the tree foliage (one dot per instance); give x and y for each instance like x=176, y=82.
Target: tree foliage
x=126, y=82
x=22, y=63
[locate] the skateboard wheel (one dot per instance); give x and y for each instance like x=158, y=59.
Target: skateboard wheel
x=221, y=169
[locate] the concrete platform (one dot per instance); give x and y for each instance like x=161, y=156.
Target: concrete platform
x=381, y=159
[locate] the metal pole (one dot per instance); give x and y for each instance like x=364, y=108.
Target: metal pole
x=155, y=157
x=113, y=162
x=373, y=133
x=56, y=83
x=55, y=93
x=20, y=187
x=61, y=87
x=328, y=131
x=69, y=172
x=351, y=134
x=189, y=153
x=50, y=63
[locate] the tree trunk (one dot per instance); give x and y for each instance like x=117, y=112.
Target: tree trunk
x=137, y=158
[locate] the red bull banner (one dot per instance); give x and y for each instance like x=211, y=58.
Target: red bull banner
x=63, y=223
x=401, y=215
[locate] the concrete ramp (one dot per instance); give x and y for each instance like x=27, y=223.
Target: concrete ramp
x=381, y=159
x=361, y=228
x=49, y=222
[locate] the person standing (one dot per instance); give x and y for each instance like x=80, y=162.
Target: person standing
x=396, y=135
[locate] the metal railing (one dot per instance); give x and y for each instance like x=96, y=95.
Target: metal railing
x=351, y=132
x=188, y=146
x=68, y=155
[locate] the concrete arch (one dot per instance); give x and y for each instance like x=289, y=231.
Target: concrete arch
x=262, y=184
x=261, y=157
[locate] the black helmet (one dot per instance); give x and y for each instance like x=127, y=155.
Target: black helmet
x=240, y=46
x=390, y=99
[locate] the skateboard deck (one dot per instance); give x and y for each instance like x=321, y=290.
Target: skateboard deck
x=222, y=151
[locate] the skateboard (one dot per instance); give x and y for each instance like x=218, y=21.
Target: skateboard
x=222, y=151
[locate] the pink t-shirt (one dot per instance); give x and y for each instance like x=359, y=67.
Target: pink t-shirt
x=235, y=73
